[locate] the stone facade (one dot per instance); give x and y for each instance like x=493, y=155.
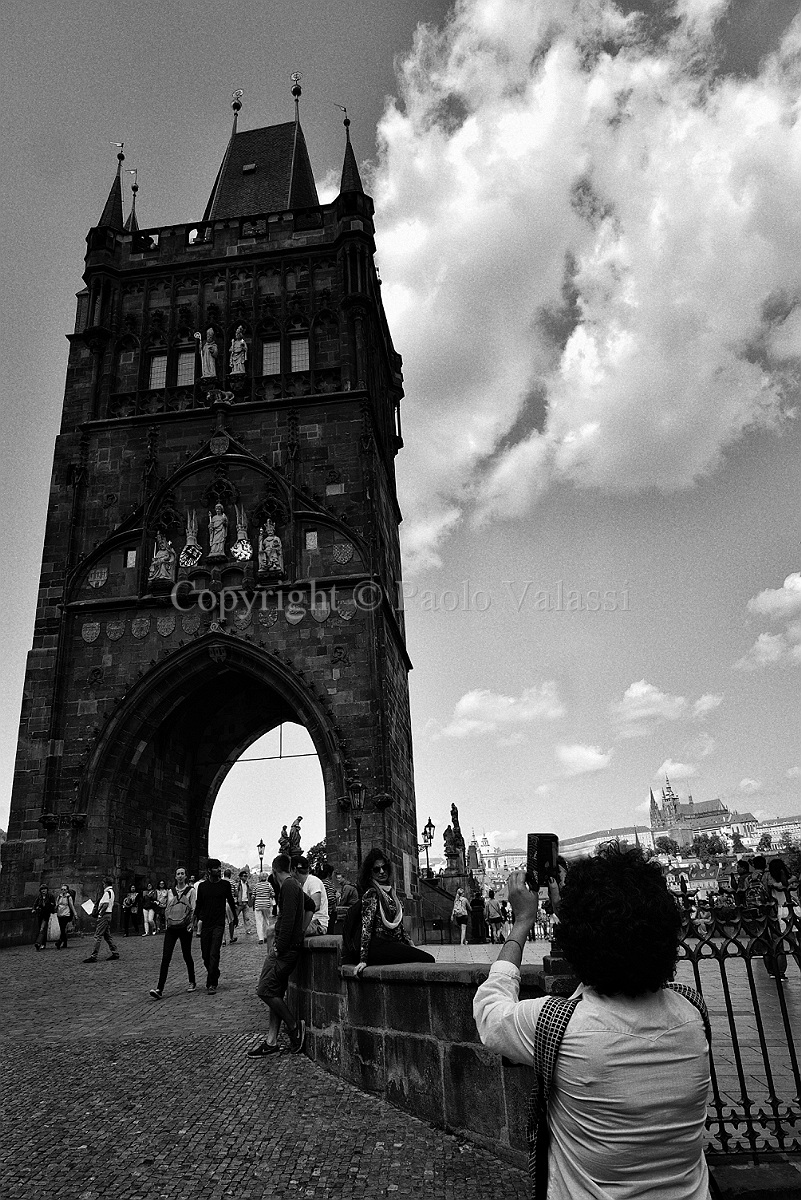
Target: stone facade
x=152, y=669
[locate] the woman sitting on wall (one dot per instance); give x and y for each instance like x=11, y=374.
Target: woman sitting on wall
x=374, y=935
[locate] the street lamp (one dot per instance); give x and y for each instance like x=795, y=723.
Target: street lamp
x=357, y=792
x=428, y=837
x=260, y=851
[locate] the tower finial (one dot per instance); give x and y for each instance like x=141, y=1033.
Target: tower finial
x=346, y=122
x=132, y=225
x=112, y=213
x=296, y=92
x=120, y=155
x=236, y=104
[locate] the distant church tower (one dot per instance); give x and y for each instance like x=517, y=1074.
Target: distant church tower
x=221, y=552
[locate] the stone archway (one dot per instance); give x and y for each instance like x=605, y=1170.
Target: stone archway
x=151, y=783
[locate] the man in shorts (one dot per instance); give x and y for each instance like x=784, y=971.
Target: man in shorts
x=295, y=910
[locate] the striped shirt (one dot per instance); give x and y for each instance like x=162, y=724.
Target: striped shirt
x=264, y=895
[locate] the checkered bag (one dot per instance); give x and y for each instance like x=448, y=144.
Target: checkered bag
x=548, y=1033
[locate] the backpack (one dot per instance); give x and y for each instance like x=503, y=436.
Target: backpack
x=179, y=908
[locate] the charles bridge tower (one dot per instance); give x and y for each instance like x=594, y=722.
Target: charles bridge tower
x=221, y=552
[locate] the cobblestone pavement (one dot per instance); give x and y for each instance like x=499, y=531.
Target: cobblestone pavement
x=109, y=1093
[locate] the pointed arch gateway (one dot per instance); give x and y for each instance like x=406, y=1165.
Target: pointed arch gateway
x=151, y=783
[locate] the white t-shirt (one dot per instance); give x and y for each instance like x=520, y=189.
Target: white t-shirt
x=314, y=887
x=629, y=1092
x=106, y=901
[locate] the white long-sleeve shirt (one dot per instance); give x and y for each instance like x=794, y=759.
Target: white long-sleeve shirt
x=629, y=1092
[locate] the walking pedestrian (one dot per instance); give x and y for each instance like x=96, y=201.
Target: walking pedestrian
x=209, y=918
x=228, y=936
x=178, y=917
x=263, y=908
x=459, y=915
x=65, y=912
x=130, y=911
x=243, y=900
x=43, y=908
x=293, y=905
x=105, y=910
x=493, y=917
x=477, y=925
x=162, y=896
x=149, y=901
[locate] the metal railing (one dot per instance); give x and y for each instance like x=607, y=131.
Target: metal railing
x=737, y=958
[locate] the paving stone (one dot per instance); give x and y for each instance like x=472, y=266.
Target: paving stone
x=108, y=1092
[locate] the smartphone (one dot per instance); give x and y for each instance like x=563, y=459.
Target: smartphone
x=541, y=859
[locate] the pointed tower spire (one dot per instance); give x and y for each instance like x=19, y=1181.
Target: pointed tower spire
x=131, y=224
x=236, y=105
x=351, y=180
x=112, y=213
x=297, y=135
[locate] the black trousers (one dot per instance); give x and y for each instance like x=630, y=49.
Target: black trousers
x=382, y=952
x=211, y=937
x=173, y=934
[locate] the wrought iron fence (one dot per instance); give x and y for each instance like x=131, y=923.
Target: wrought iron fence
x=739, y=959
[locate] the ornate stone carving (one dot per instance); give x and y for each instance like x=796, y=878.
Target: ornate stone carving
x=271, y=551
x=208, y=354
x=268, y=617
x=90, y=632
x=115, y=630
x=239, y=352
x=218, y=532
x=140, y=627
x=162, y=567
x=343, y=552
x=191, y=553
x=242, y=550
x=97, y=577
x=166, y=625
x=190, y=623
x=294, y=613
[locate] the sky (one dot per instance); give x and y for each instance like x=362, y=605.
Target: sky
x=588, y=225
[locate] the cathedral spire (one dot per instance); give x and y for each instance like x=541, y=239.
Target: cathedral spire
x=297, y=140
x=351, y=180
x=131, y=224
x=112, y=213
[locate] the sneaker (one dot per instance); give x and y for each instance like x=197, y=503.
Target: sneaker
x=234, y=940
x=297, y=1037
x=155, y=993
x=191, y=987
x=261, y=941
x=90, y=959
x=263, y=1051
x=211, y=988
x=112, y=956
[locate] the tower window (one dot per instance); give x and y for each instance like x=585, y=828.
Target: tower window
x=299, y=354
x=271, y=358
x=186, y=368
x=158, y=371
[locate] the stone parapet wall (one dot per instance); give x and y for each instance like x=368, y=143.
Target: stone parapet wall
x=17, y=927
x=407, y=1034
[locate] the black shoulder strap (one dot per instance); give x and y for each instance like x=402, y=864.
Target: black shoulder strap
x=548, y=1033
x=697, y=1001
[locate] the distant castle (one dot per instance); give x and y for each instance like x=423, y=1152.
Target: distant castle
x=682, y=822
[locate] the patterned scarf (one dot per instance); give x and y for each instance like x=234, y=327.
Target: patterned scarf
x=389, y=906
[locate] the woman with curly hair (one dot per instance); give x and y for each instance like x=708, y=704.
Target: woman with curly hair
x=629, y=1079
x=374, y=935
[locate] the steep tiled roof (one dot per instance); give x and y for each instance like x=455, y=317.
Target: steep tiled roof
x=351, y=180
x=112, y=213
x=264, y=170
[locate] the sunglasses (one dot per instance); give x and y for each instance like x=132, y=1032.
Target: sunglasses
x=379, y=867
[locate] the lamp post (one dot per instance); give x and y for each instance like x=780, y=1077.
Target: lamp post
x=428, y=837
x=260, y=851
x=357, y=792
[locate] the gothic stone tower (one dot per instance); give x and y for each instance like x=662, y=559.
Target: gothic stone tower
x=221, y=552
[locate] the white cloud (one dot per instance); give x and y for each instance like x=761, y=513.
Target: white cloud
x=482, y=711
x=749, y=786
x=678, y=770
x=793, y=772
x=706, y=704
x=767, y=650
x=575, y=217
x=643, y=706
x=582, y=760
x=503, y=838
x=779, y=602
